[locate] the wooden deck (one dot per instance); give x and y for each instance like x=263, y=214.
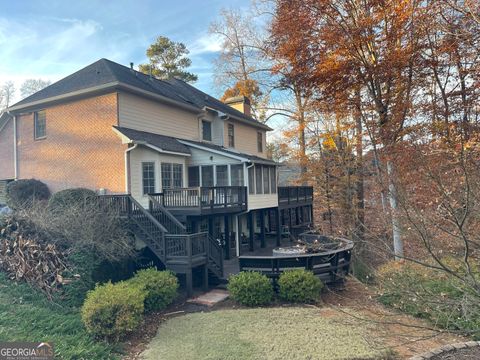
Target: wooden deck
x=232, y=266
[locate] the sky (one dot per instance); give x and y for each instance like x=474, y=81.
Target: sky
x=51, y=39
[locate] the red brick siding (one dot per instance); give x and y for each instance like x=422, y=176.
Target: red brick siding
x=7, y=169
x=80, y=149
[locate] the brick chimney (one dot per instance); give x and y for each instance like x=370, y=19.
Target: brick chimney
x=240, y=103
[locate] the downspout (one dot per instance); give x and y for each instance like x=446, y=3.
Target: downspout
x=127, y=168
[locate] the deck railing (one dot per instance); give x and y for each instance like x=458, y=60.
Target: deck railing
x=165, y=217
x=164, y=234
x=203, y=198
x=295, y=195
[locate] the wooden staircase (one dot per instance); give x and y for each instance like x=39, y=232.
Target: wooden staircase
x=168, y=239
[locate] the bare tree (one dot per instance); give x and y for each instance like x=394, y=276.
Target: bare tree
x=7, y=93
x=31, y=86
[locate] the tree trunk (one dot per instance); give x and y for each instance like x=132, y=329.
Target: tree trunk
x=393, y=198
x=359, y=183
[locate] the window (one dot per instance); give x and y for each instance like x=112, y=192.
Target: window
x=40, y=124
x=258, y=179
x=166, y=176
x=259, y=142
x=251, y=180
x=222, y=175
x=177, y=175
x=193, y=176
x=266, y=180
x=273, y=180
x=206, y=130
x=172, y=175
x=148, y=177
x=231, y=135
x=237, y=175
x=207, y=175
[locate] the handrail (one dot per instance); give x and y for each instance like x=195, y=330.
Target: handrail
x=177, y=227
x=140, y=208
x=215, y=256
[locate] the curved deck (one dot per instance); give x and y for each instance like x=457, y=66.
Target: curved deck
x=330, y=266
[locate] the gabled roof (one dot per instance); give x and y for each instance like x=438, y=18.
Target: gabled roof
x=159, y=142
x=228, y=152
x=105, y=74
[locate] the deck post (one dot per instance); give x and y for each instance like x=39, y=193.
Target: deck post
x=312, y=223
x=189, y=282
x=251, y=231
x=227, y=237
x=238, y=228
x=262, y=228
x=279, y=226
x=205, y=277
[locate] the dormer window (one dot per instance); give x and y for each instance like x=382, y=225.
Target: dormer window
x=206, y=130
x=40, y=124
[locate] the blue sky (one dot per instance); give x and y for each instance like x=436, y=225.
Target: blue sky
x=51, y=39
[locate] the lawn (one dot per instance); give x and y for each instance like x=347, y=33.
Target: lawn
x=267, y=333
x=26, y=315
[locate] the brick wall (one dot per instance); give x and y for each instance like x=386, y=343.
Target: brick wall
x=7, y=170
x=80, y=149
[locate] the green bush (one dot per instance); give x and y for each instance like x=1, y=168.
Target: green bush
x=299, y=286
x=69, y=197
x=250, y=288
x=160, y=287
x=431, y=294
x=22, y=193
x=111, y=310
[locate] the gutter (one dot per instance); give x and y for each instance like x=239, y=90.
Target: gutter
x=15, y=150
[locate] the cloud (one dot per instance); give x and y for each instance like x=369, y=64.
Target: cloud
x=206, y=43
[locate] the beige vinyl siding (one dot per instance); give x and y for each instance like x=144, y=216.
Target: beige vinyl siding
x=7, y=167
x=141, y=114
x=262, y=201
x=143, y=154
x=202, y=157
x=246, y=139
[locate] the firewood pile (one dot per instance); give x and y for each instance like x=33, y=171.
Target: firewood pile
x=26, y=258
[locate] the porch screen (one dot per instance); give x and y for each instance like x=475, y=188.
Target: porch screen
x=237, y=175
x=207, y=175
x=222, y=175
x=251, y=180
x=266, y=179
x=258, y=179
x=193, y=176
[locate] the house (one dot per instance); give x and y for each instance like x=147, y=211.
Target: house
x=186, y=168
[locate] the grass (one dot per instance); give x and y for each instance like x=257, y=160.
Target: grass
x=26, y=315
x=263, y=333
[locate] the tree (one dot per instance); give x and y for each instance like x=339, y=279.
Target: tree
x=7, y=92
x=31, y=86
x=242, y=66
x=342, y=47
x=168, y=59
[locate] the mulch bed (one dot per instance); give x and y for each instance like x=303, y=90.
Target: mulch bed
x=472, y=353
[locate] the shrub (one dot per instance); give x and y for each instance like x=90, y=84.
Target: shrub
x=70, y=197
x=299, y=286
x=160, y=287
x=250, y=288
x=22, y=193
x=111, y=310
x=432, y=294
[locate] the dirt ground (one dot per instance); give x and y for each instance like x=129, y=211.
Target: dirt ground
x=405, y=335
